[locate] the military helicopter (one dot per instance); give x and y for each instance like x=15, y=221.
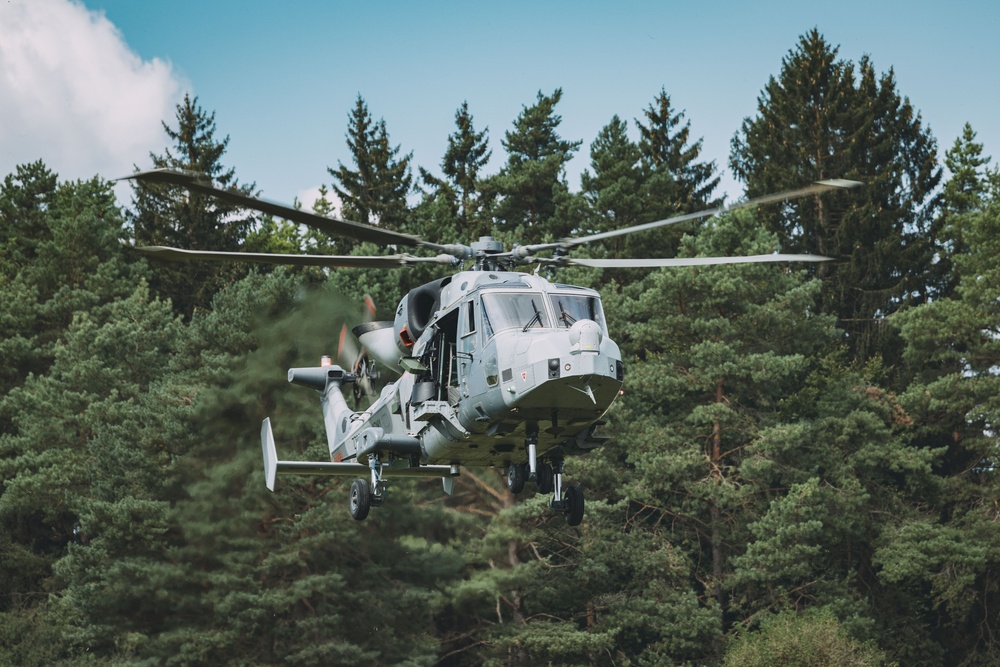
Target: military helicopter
x=497, y=367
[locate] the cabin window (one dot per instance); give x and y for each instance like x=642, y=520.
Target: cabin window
x=521, y=311
x=487, y=325
x=569, y=308
x=470, y=318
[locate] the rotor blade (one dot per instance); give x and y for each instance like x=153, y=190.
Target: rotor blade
x=345, y=261
x=348, y=351
x=690, y=261
x=331, y=226
x=815, y=188
x=369, y=312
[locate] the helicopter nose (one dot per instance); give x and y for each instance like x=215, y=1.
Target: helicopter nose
x=585, y=336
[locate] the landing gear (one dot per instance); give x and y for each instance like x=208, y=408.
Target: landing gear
x=544, y=478
x=570, y=502
x=573, y=505
x=361, y=499
x=516, y=476
x=366, y=495
x=549, y=479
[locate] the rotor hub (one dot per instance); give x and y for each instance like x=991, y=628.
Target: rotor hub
x=486, y=245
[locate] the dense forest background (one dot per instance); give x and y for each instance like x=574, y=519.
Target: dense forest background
x=801, y=469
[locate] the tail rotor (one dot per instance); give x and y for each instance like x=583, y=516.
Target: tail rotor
x=356, y=357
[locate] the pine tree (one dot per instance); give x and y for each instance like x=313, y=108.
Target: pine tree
x=62, y=253
x=943, y=560
x=746, y=443
x=823, y=118
x=24, y=199
x=965, y=191
x=466, y=155
x=966, y=187
x=529, y=191
x=375, y=191
x=174, y=217
x=675, y=180
x=615, y=190
x=652, y=180
x=83, y=476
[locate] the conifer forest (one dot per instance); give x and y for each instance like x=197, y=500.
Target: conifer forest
x=801, y=469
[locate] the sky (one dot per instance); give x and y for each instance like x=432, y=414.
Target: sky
x=85, y=85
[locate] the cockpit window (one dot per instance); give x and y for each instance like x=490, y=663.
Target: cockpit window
x=568, y=308
x=507, y=311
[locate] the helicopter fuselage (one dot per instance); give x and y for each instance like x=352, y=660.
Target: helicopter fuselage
x=505, y=358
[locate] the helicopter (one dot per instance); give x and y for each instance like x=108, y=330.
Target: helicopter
x=497, y=367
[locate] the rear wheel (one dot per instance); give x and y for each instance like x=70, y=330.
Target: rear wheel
x=544, y=478
x=361, y=499
x=573, y=505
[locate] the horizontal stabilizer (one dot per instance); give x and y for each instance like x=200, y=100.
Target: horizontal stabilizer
x=347, y=469
x=273, y=467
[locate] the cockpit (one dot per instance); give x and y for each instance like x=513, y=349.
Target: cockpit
x=532, y=310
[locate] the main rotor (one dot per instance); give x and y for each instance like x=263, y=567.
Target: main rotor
x=486, y=254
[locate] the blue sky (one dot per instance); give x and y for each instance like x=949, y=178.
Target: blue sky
x=282, y=77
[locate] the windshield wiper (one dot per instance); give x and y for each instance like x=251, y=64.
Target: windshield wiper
x=537, y=317
x=564, y=316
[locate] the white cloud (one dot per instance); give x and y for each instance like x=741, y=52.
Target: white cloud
x=73, y=94
x=310, y=196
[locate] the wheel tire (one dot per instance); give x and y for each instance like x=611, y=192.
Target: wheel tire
x=361, y=499
x=516, y=476
x=573, y=505
x=544, y=478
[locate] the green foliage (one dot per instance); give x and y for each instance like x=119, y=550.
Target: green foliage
x=375, y=190
x=674, y=179
x=822, y=118
x=530, y=193
x=802, y=640
x=945, y=556
x=456, y=202
x=171, y=216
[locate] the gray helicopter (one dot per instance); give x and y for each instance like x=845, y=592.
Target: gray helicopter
x=497, y=367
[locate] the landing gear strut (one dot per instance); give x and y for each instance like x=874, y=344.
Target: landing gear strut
x=365, y=495
x=549, y=479
x=570, y=501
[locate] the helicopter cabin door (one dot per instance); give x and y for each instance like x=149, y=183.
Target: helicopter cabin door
x=465, y=352
x=444, y=357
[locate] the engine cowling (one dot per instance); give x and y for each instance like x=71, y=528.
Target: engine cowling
x=414, y=313
x=379, y=338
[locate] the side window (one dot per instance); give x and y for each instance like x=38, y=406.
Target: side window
x=470, y=318
x=487, y=325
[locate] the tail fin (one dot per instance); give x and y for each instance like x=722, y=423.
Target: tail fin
x=270, y=454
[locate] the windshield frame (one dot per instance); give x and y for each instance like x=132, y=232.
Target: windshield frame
x=504, y=310
x=581, y=305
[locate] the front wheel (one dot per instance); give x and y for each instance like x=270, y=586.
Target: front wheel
x=516, y=476
x=361, y=499
x=573, y=505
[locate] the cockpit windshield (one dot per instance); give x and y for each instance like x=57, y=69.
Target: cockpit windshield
x=568, y=308
x=520, y=310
